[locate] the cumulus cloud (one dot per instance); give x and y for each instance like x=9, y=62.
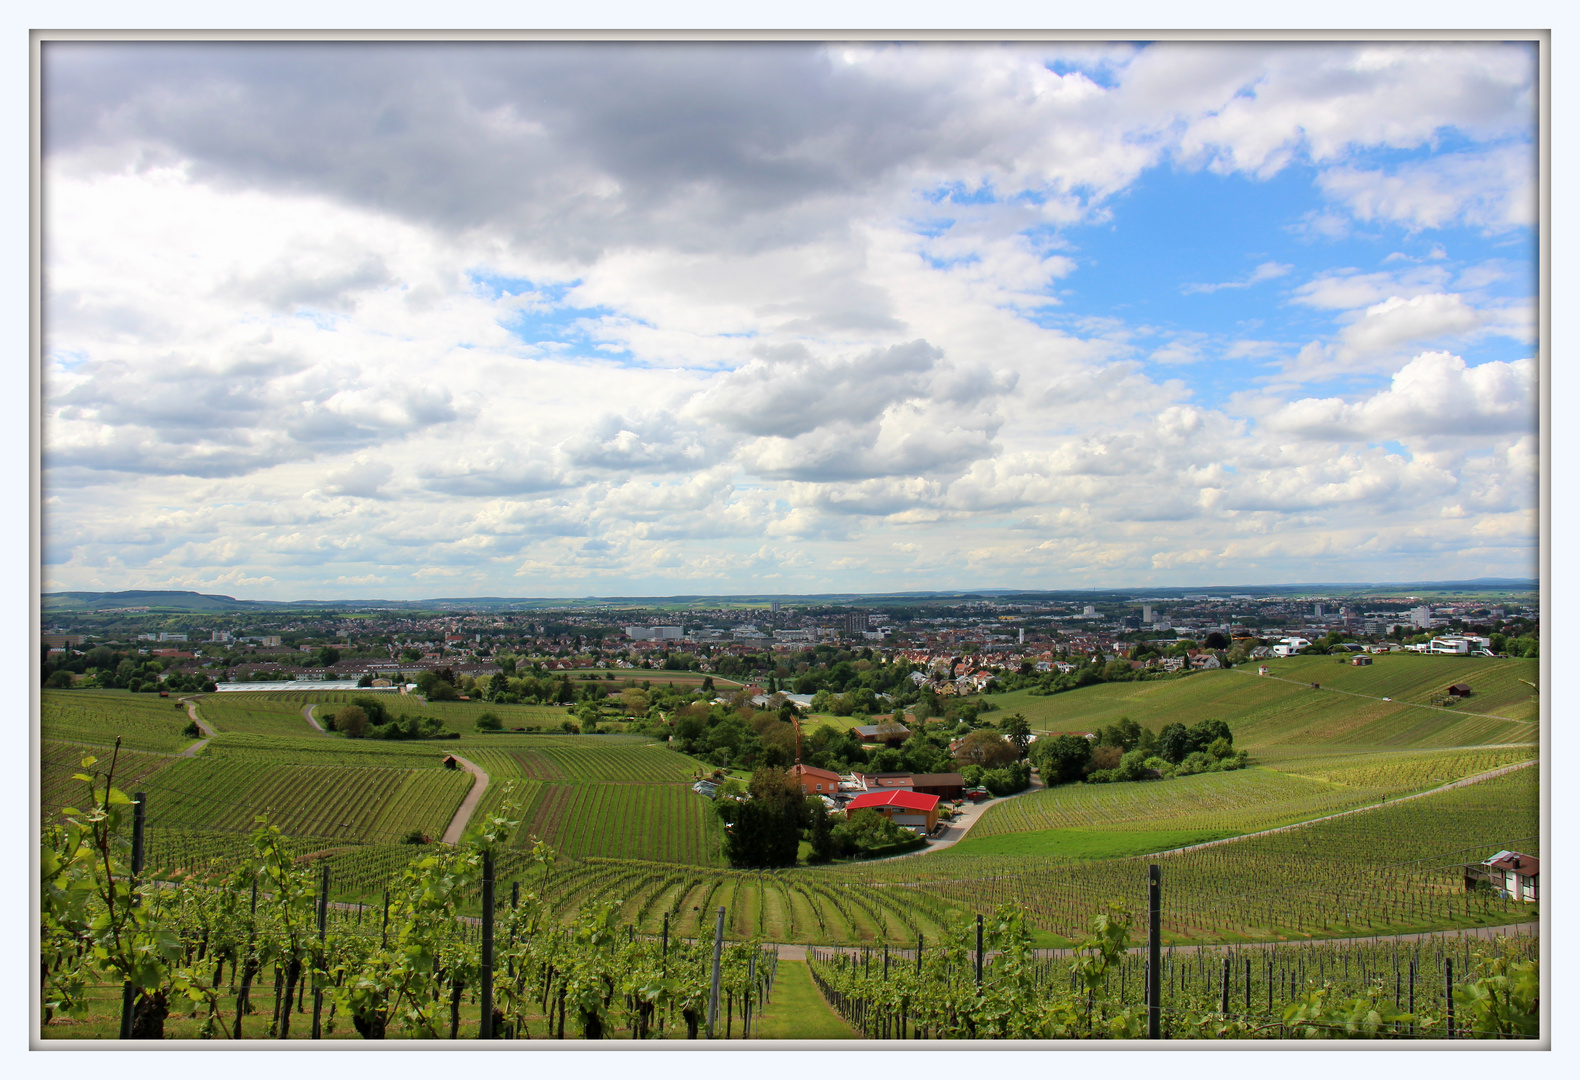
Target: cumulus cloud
x=1435, y=395
x=500, y=317
x=1493, y=190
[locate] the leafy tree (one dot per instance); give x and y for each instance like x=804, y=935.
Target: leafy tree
x=351, y=720
x=765, y=830
x=986, y=748
x=825, y=846
x=1017, y=731
x=867, y=830
x=1124, y=733
x=1174, y=743
x=1062, y=760
x=488, y=722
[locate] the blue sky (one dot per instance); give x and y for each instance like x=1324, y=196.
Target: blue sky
x=559, y=320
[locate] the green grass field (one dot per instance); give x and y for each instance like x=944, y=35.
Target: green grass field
x=1272, y=711
x=797, y=1010
x=1084, y=843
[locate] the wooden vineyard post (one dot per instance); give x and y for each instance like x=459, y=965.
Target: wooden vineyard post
x=1411, y=1010
x=486, y=989
x=921, y=939
x=1248, y=986
x=746, y=1002
x=384, y=934
x=1448, y=992
x=1223, y=1002
x=318, y=968
x=1154, y=950
x=139, y=817
x=718, y=955
x=979, y=950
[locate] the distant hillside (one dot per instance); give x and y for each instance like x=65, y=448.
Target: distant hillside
x=176, y=600
x=164, y=600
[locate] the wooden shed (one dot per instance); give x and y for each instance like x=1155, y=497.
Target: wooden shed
x=1459, y=690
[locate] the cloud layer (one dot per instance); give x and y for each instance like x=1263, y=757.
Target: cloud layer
x=548, y=318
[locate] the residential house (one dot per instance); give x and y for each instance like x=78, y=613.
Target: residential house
x=815, y=781
x=908, y=809
x=1512, y=871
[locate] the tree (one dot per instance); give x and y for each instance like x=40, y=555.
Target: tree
x=366, y=680
x=1018, y=732
x=488, y=722
x=765, y=830
x=1125, y=733
x=326, y=657
x=867, y=830
x=825, y=847
x=1215, y=640
x=986, y=748
x=352, y=721
x=1174, y=743
x=1062, y=760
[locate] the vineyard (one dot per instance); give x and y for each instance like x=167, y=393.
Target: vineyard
x=1271, y=711
x=998, y=987
x=1393, y=869
x=346, y=802
x=198, y=961
x=1225, y=803
x=257, y=713
x=598, y=950
x=97, y=717
x=1404, y=771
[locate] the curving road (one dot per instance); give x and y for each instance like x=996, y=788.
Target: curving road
x=208, y=732
x=452, y=835
x=307, y=714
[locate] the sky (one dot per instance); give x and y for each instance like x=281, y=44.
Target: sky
x=546, y=319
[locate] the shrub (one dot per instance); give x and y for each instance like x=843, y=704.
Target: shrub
x=488, y=722
x=192, y=731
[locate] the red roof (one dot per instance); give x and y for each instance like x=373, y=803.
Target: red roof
x=905, y=800
x=1528, y=865
x=813, y=770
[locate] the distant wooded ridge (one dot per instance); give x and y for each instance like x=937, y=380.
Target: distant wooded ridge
x=180, y=600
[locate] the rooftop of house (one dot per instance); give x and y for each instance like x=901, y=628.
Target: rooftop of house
x=905, y=800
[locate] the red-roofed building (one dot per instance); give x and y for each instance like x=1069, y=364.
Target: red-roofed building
x=1518, y=873
x=815, y=781
x=907, y=808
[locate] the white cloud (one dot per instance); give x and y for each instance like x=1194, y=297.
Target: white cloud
x=508, y=318
x=1267, y=271
x=1493, y=190
x=1436, y=396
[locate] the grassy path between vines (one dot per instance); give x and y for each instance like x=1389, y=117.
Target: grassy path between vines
x=797, y=1010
